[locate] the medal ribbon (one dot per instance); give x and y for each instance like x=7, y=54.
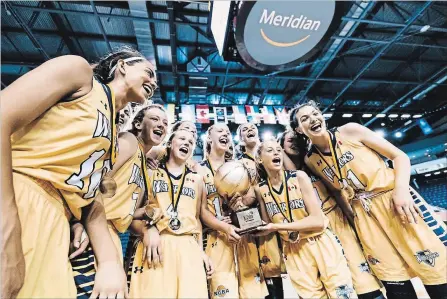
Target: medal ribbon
x=143, y=166
x=211, y=167
x=277, y=201
x=334, y=157
x=176, y=199
x=113, y=138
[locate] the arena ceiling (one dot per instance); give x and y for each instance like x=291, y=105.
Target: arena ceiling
x=386, y=57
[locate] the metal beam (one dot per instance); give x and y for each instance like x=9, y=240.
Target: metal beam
x=173, y=41
x=227, y=69
x=165, y=42
x=112, y=16
x=64, y=33
x=335, y=48
x=393, y=24
x=179, y=10
x=196, y=28
x=380, y=52
x=91, y=36
x=428, y=81
x=265, y=91
x=375, y=41
x=27, y=30
x=240, y=75
x=98, y=19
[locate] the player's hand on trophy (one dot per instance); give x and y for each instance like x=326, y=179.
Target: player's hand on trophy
x=80, y=240
x=232, y=234
x=152, y=247
x=236, y=203
x=152, y=163
x=209, y=268
x=405, y=206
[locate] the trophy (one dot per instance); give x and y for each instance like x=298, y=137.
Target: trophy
x=232, y=179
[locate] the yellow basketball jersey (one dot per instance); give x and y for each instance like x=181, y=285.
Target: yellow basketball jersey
x=131, y=180
x=186, y=211
x=214, y=200
x=288, y=198
x=362, y=167
x=250, y=163
x=70, y=146
x=328, y=203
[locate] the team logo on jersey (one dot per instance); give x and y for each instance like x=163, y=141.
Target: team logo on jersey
x=138, y=270
x=210, y=188
x=297, y=204
x=103, y=128
x=364, y=267
x=136, y=177
x=319, y=162
x=272, y=208
x=426, y=256
x=329, y=172
x=345, y=158
x=221, y=291
x=373, y=260
x=159, y=186
x=344, y=291
x=265, y=260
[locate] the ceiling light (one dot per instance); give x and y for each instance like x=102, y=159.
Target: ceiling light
x=347, y=115
x=417, y=115
x=398, y=134
x=367, y=115
x=405, y=115
x=381, y=115
x=424, y=28
x=327, y=115
x=428, y=174
x=437, y=172
x=393, y=115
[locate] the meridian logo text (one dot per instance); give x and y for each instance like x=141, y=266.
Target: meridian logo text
x=300, y=22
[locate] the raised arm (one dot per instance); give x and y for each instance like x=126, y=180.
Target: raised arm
x=22, y=102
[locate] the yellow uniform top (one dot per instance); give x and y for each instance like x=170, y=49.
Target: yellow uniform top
x=328, y=203
x=70, y=146
x=131, y=180
x=214, y=200
x=250, y=163
x=186, y=211
x=287, y=198
x=362, y=167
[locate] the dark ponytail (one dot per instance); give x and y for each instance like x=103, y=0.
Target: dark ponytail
x=101, y=70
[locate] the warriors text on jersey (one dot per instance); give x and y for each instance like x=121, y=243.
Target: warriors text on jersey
x=214, y=200
x=131, y=180
x=362, y=167
x=72, y=156
x=186, y=211
x=289, y=197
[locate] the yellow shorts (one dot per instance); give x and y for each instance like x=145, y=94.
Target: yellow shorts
x=45, y=239
x=318, y=268
x=362, y=276
x=224, y=282
x=251, y=280
x=182, y=274
x=270, y=255
x=394, y=249
x=84, y=266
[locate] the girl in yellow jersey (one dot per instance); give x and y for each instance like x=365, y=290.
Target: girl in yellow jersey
x=131, y=178
x=58, y=140
x=384, y=207
x=313, y=256
x=178, y=192
x=365, y=284
x=266, y=254
x=223, y=236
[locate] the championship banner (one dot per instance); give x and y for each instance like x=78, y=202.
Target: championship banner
x=170, y=111
x=239, y=115
x=203, y=112
x=277, y=35
x=268, y=115
x=253, y=114
x=220, y=115
x=282, y=115
x=188, y=113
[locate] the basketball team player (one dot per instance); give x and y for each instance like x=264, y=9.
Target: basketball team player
x=312, y=253
x=131, y=179
x=395, y=238
x=178, y=192
x=365, y=283
x=223, y=236
x=266, y=251
x=58, y=139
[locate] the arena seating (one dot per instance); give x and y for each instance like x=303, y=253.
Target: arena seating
x=435, y=193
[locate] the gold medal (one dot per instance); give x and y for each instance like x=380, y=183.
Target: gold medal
x=175, y=224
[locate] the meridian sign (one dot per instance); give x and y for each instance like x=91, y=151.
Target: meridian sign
x=274, y=35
